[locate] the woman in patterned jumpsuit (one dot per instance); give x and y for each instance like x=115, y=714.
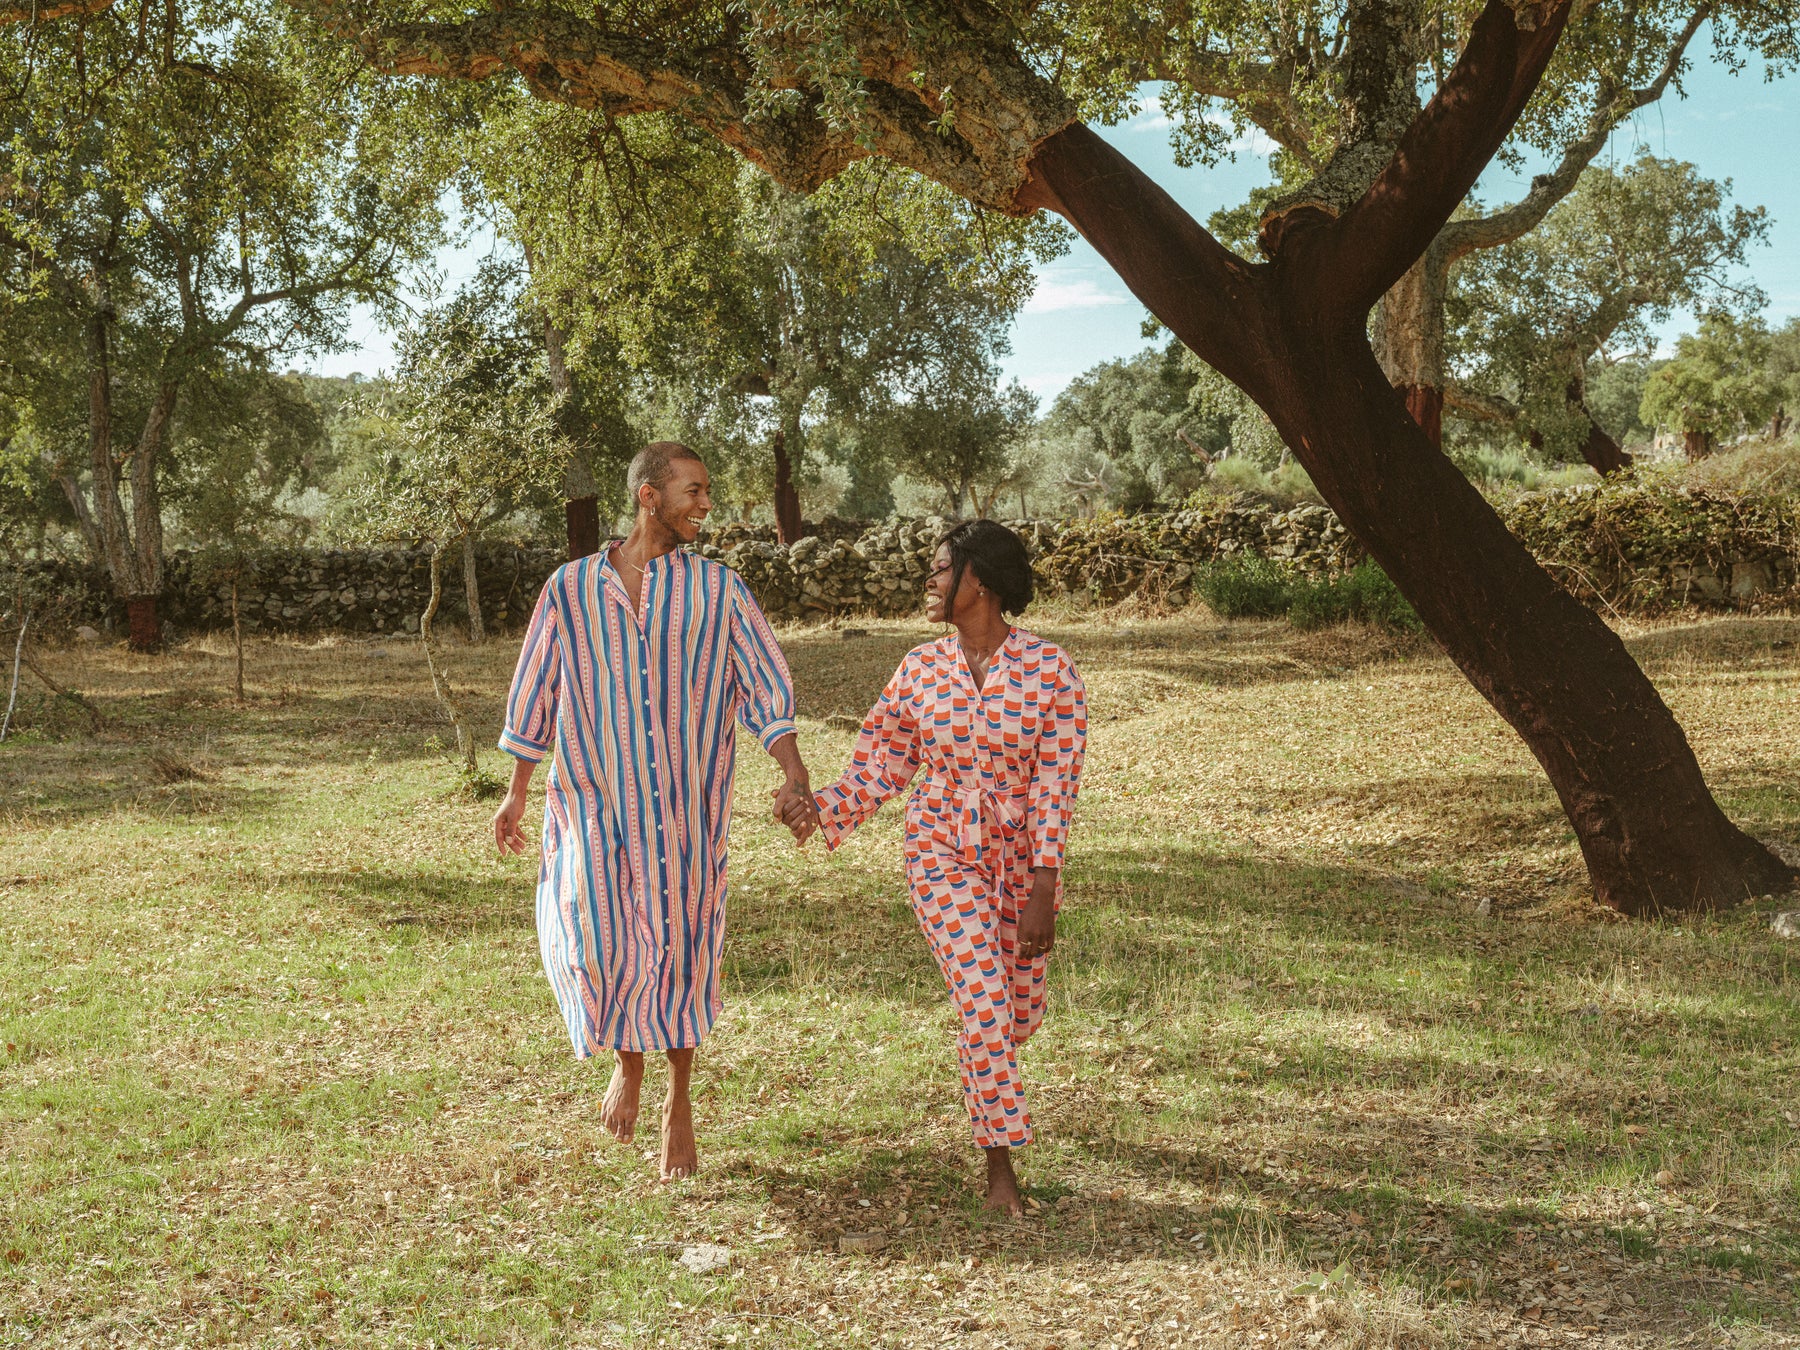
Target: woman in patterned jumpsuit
x=995, y=718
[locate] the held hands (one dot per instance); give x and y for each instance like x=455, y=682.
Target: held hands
x=1036, y=933
x=794, y=808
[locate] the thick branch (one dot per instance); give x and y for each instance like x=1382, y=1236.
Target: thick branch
x=1435, y=164
x=1199, y=288
x=51, y=9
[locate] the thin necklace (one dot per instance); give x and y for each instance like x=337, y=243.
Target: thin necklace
x=620, y=551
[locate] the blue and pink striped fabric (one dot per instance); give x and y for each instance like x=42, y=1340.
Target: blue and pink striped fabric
x=639, y=707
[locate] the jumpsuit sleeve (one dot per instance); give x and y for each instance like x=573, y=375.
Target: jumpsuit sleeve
x=1056, y=776
x=530, y=727
x=883, y=763
x=761, y=685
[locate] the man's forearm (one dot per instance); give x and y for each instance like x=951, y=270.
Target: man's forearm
x=521, y=777
x=786, y=753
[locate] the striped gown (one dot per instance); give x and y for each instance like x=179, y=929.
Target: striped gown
x=639, y=708
x=1002, y=765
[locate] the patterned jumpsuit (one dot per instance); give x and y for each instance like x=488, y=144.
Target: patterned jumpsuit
x=1002, y=765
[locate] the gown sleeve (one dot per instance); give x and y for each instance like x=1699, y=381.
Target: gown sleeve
x=763, y=689
x=883, y=763
x=1056, y=775
x=530, y=727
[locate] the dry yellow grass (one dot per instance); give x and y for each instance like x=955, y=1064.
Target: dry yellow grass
x=281, y=1069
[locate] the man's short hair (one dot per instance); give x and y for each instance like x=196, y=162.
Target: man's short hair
x=654, y=465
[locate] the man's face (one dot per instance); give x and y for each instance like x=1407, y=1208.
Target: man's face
x=683, y=503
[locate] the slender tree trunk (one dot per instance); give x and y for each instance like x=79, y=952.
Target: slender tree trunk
x=788, y=525
x=1697, y=444
x=581, y=494
x=1649, y=830
x=472, y=590
x=440, y=678
x=12, y=693
x=237, y=642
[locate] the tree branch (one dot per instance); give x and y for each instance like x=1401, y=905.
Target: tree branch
x=1480, y=407
x=1462, y=237
x=50, y=9
x=1369, y=247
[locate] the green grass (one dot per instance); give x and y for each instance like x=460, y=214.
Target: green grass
x=280, y=1066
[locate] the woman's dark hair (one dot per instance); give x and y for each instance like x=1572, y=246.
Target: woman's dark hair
x=998, y=558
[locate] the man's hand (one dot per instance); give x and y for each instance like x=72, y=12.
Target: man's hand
x=794, y=808
x=1036, y=933
x=507, y=834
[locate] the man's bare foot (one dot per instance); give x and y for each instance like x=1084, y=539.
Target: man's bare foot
x=680, y=1154
x=619, y=1108
x=1003, y=1186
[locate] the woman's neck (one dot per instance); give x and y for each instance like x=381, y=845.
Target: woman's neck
x=983, y=631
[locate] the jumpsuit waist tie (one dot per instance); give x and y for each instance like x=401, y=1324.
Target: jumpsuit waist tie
x=974, y=806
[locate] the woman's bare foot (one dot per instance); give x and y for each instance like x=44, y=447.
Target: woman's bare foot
x=619, y=1108
x=680, y=1154
x=1003, y=1186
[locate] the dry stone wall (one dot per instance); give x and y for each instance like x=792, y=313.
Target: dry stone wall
x=1623, y=546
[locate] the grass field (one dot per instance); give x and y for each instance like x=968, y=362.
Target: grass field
x=280, y=1067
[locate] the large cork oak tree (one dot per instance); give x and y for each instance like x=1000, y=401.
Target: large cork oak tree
x=989, y=101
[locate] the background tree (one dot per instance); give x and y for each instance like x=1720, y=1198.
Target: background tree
x=990, y=106
x=1617, y=258
x=251, y=440
x=470, y=429
x=1718, y=384
x=186, y=183
x=1784, y=370
x=960, y=435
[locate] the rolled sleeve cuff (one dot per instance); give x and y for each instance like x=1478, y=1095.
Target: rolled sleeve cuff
x=781, y=726
x=520, y=748
x=833, y=828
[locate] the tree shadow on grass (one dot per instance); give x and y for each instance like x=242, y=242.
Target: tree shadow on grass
x=454, y=906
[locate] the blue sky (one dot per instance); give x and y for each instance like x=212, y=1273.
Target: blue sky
x=1733, y=126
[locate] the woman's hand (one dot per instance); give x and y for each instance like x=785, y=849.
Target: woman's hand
x=1036, y=933
x=507, y=835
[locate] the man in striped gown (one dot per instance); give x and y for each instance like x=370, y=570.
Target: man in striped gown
x=638, y=660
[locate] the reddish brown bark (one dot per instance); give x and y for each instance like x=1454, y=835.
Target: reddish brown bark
x=1426, y=405
x=1651, y=834
x=1602, y=452
x=143, y=623
x=583, y=517
x=788, y=525
x=1697, y=444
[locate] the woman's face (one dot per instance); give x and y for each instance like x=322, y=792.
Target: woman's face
x=940, y=604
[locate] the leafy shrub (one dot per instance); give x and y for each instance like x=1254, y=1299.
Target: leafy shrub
x=1245, y=586
x=1249, y=586
x=1365, y=593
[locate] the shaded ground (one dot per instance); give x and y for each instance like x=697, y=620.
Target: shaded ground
x=280, y=1066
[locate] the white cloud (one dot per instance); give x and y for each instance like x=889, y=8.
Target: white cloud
x=1250, y=141
x=1151, y=118
x=1053, y=295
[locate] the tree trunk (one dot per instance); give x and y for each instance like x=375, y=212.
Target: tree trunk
x=1603, y=454
x=788, y=525
x=1408, y=335
x=472, y=590
x=237, y=642
x=143, y=623
x=581, y=494
x=440, y=679
x=582, y=519
x=1649, y=830
x=1697, y=444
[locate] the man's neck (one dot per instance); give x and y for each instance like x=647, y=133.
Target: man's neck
x=649, y=538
